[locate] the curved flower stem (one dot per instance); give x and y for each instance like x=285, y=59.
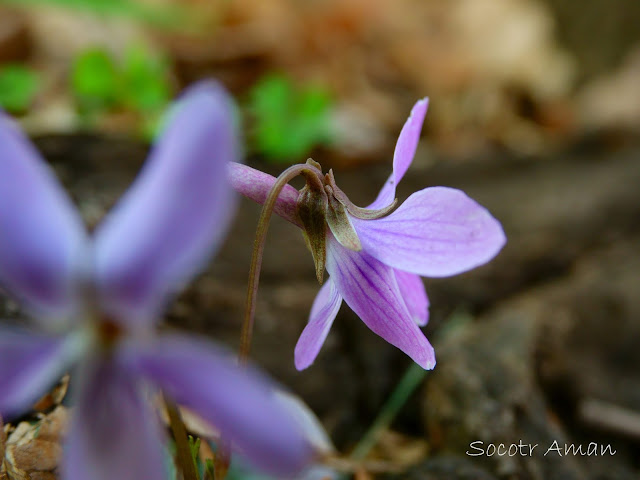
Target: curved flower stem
x=285, y=177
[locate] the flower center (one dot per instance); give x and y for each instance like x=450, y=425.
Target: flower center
x=108, y=333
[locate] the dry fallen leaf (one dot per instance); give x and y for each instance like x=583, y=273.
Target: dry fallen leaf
x=2, y=441
x=33, y=450
x=53, y=397
x=401, y=449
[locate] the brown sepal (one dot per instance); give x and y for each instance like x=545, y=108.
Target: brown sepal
x=312, y=211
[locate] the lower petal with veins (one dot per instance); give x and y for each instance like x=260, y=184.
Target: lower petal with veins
x=371, y=290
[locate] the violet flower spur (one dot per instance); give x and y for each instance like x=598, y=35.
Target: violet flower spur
x=375, y=258
x=99, y=300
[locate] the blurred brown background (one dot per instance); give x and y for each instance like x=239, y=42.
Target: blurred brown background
x=535, y=113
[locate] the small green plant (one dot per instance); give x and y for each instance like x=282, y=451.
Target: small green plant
x=145, y=81
x=95, y=81
x=139, y=83
x=204, y=470
x=288, y=121
x=194, y=448
x=18, y=87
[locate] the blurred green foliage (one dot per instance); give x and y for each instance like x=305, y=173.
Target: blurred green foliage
x=139, y=83
x=168, y=16
x=95, y=80
x=18, y=87
x=288, y=121
x=145, y=80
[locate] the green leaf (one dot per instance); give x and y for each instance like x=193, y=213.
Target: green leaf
x=94, y=80
x=209, y=470
x=18, y=87
x=194, y=447
x=288, y=122
x=145, y=83
x=139, y=84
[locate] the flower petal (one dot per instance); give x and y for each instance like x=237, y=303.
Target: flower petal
x=113, y=433
x=309, y=423
x=404, y=153
x=175, y=214
x=437, y=232
x=255, y=185
x=239, y=402
x=370, y=288
x=414, y=295
x=323, y=312
x=42, y=240
x=30, y=363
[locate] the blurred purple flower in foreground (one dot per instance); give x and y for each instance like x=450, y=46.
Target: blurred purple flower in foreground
x=436, y=232
x=108, y=293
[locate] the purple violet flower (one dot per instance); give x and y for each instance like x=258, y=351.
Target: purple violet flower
x=100, y=299
x=436, y=232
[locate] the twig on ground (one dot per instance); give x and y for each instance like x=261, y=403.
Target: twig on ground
x=610, y=417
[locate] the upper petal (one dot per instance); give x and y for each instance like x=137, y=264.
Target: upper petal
x=403, y=154
x=113, y=433
x=255, y=185
x=42, y=239
x=238, y=401
x=323, y=312
x=371, y=290
x=29, y=363
x=437, y=232
x=175, y=214
x=414, y=295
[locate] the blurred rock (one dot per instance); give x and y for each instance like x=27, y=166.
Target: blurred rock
x=520, y=370
x=484, y=389
x=590, y=329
